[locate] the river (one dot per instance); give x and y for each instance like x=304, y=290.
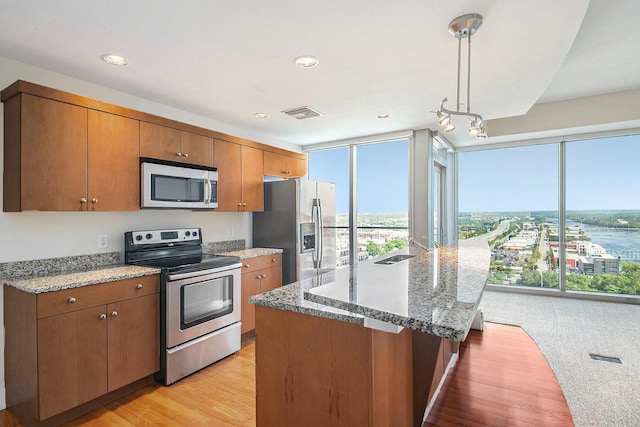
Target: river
x=623, y=244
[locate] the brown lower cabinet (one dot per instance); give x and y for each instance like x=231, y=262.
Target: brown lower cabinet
x=66, y=348
x=259, y=274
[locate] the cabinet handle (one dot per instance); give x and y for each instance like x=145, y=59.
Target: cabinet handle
x=103, y=316
x=114, y=313
x=139, y=286
x=273, y=260
x=72, y=300
x=94, y=201
x=246, y=265
x=244, y=204
x=178, y=154
x=83, y=200
x=264, y=276
x=259, y=276
x=239, y=204
x=185, y=154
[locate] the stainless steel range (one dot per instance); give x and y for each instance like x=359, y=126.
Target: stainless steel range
x=199, y=297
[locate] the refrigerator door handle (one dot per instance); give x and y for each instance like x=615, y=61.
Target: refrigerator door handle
x=315, y=219
x=320, y=234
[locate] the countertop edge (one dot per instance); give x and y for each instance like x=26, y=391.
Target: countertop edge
x=38, y=285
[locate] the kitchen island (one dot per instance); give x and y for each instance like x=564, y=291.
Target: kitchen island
x=368, y=344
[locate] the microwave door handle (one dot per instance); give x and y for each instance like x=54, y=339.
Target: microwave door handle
x=207, y=191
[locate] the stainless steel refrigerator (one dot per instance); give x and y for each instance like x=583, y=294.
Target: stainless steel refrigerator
x=300, y=218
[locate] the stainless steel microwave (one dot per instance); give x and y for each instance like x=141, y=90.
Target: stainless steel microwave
x=178, y=187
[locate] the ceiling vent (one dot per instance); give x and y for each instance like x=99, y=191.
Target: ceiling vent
x=303, y=113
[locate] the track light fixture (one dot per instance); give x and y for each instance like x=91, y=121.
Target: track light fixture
x=463, y=27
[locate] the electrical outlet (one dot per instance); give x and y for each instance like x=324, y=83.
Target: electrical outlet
x=103, y=242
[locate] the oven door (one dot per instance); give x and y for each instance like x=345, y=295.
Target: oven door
x=201, y=303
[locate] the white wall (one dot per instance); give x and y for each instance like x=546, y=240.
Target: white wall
x=36, y=235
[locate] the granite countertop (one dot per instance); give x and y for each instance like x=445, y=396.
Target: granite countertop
x=436, y=291
x=56, y=282
x=251, y=253
x=52, y=274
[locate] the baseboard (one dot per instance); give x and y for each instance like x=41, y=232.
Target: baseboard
x=452, y=362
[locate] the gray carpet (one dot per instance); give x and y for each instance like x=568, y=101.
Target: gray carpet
x=599, y=393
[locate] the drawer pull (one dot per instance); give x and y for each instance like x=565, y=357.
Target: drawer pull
x=246, y=266
x=72, y=300
x=114, y=313
x=103, y=316
x=139, y=286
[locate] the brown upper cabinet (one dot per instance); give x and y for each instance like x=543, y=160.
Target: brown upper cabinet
x=165, y=143
x=63, y=157
x=284, y=166
x=240, y=177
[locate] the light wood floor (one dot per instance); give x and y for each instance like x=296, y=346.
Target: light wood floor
x=501, y=379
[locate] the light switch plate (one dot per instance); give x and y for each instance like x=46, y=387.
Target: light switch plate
x=103, y=242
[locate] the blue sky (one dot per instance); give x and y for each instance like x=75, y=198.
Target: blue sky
x=601, y=174
x=382, y=176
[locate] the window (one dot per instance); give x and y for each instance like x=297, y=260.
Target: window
x=509, y=197
x=382, y=175
x=603, y=215
x=506, y=196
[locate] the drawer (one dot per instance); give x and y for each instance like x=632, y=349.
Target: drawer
x=260, y=262
x=66, y=300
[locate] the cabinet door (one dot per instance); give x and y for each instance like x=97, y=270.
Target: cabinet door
x=113, y=159
x=133, y=333
x=252, y=179
x=275, y=164
x=227, y=158
x=250, y=286
x=72, y=359
x=53, y=155
x=159, y=142
x=271, y=277
x=196, y=149
x=298, y=167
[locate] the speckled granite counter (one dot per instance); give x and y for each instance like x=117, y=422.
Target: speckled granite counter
x=251, y=253
x=36, y=285
x=53, y=274
x=435, y=291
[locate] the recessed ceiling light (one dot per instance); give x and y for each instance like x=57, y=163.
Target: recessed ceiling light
x=306, y=61
x=112, y=59
x=261, y=115
x=384, y=116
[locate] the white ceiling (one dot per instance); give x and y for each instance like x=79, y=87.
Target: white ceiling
x=229, y=59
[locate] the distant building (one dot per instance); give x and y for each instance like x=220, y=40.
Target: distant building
x=599, y=264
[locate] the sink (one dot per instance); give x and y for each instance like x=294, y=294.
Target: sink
x=394, y=259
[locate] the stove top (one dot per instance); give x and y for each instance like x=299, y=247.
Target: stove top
x=175, y=251
x=217, y=261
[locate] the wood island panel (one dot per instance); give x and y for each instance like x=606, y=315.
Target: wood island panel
x=329, y=372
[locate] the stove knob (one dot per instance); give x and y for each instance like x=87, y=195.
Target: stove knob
x=149, y=236
x=187, y=233
x=139, y=237
x=195, y=234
